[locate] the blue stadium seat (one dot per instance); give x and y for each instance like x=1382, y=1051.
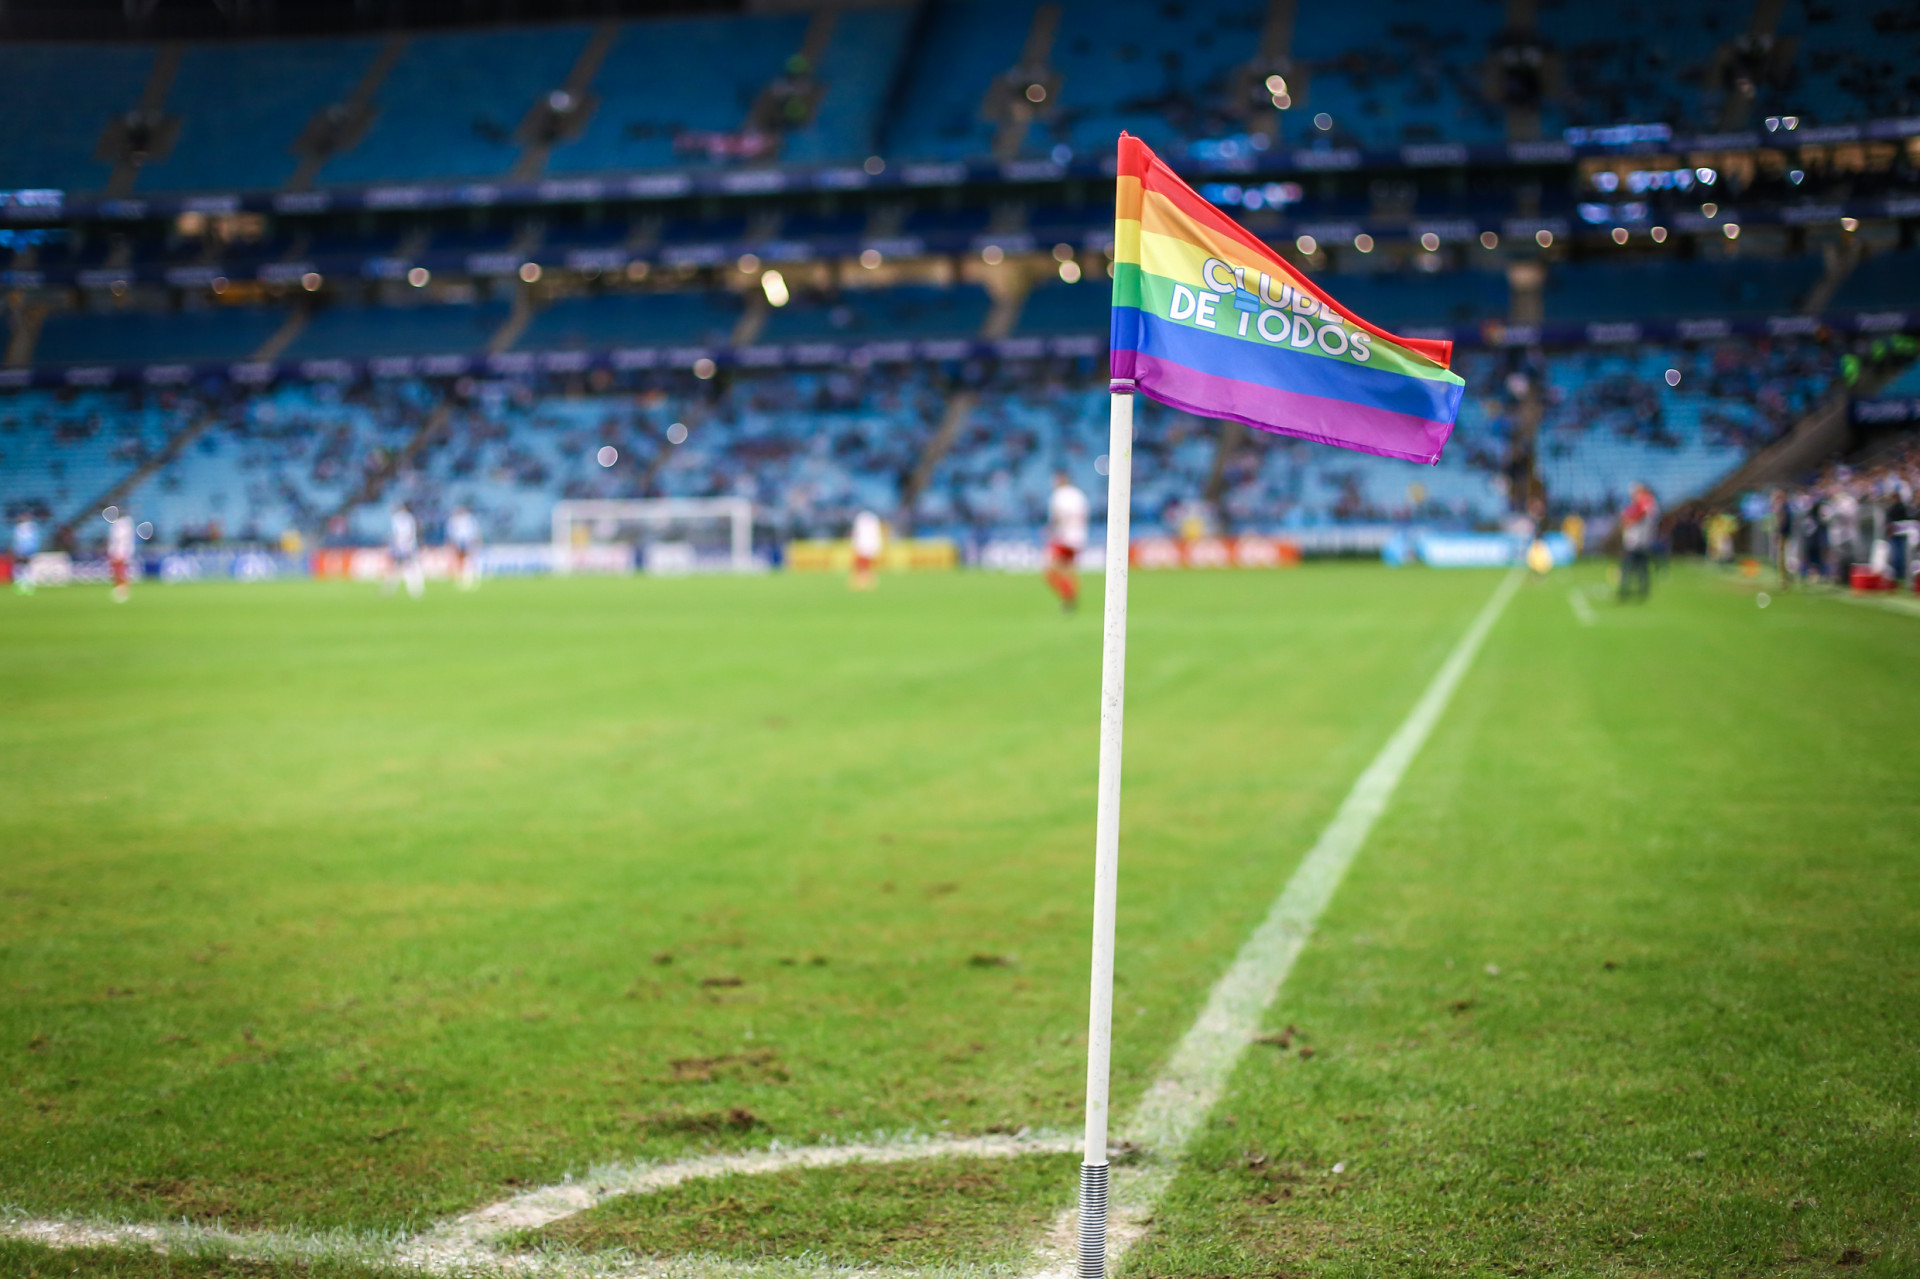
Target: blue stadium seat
x=1592, y=291
x=1161, y=72
x=243, y=104
x=856, y=72
x=1885, y=281
x=136, y=337
x=69, y=92
x=906, y=311
x=451, y=104
x=607, y=320
x=1054, y=308
x=664, y=78
x=963, y=46
x=347, y=332
x=1404, y=301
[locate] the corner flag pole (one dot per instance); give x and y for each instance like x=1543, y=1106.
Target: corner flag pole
x=1106, y=838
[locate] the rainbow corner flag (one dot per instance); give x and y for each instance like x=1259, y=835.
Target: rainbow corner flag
x=1209, y=320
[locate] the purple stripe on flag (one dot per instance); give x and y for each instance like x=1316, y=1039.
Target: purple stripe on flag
x=1308, y=417
x=1286, y=368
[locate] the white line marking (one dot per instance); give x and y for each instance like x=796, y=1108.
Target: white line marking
x=1886, y=603
x=1582, y=611
x=1167, y=1117
x=469, y=1243
x=1174, y=1105
x=468, y=1240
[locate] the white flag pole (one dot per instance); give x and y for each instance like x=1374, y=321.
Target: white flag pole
x=1106, y=839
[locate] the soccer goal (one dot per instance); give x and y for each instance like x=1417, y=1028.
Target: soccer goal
x=657, y=535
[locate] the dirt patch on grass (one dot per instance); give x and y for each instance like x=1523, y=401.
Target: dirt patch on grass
x=955, y=1211
x=184, y=1197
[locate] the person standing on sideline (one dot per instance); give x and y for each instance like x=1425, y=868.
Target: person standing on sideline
x=122, y=547
x=1902, y=532
x=463, y=535
x=26, y=544
x=1842, y=513
x=1780, y=515
x=1638, y=524
x=403, y=544
x=1067, y=511
x=868, y=539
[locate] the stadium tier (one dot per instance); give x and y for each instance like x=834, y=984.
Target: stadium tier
x=812, y=447
x=860, y=255
x=948, y=80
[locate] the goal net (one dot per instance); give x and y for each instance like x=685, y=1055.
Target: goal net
x=655, y=535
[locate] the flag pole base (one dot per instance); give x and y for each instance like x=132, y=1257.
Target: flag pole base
x=1093, y=1221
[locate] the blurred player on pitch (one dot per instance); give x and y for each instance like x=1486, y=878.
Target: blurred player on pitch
x=403, y=544
x=868, y=539
x=122, y=546
x=1067, y=511
x=463, y=535
x=26, y=544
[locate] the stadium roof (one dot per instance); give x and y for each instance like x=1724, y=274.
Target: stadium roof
x=209, y=19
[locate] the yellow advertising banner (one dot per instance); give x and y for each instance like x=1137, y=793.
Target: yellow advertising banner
x=915, y=554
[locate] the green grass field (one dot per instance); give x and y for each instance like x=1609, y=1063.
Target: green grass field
x=320, y=911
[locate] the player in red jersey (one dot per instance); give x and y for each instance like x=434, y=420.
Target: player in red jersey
x=1067, y=512
x=122, y=545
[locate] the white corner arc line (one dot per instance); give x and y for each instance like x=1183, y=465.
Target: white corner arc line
x=1176, y=1103
x=469, y=1244
x=467, y=1241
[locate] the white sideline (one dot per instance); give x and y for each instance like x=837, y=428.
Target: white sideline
x=1167, y=1117
x=1196, y=1074
x=1582, y=609
x=1885, y=603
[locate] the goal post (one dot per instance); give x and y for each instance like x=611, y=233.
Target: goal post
x=661, y=535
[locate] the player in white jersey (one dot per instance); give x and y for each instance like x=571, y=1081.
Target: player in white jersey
x=868, y=539
x=463, y=535
x=403, y=544
x=26, y=544
x=1067, y=512
x=122, y=545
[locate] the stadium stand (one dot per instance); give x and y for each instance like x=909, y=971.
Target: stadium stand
x=451, y=106
x=679, y=91
x=429, y=329
x=1594, y=291
x=1407, y=300
x=600, y=321
x=1611, y=77
x=693, y=91
x=963, y=46
x=92, y=83
x=1885, y=281
x=907, y=311
x=1161, y=72
x=1417, y=85
x=1052, y=309
x=810, y=447
x=58, y=450
x=575, y=319
x=219, y=333
x=846, y=121
x=1851, y=62
x=242, y=105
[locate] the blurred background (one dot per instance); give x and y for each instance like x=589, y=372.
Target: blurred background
x=271, y=268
